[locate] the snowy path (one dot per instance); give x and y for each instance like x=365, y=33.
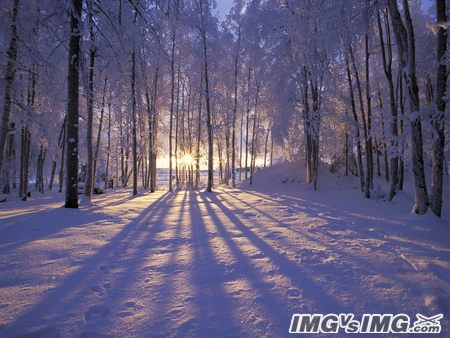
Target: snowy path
x=234, y=263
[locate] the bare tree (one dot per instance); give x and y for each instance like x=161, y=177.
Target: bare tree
x=233, y=136
x=9, y=80
x=386, y=53
x=72, y=107
x=133, y=120
x=90, y=106
x=203, y=11
x=439, y=115
x=404, y=36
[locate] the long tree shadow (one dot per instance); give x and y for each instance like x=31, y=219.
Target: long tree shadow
x=160, y=324
x=46, y=223
x=272, y=305
x=70, y=294
x=365, y=227
x=135, y=273
x=367, y=238
x=354, y=264
x=213, y=307
x=324, y=302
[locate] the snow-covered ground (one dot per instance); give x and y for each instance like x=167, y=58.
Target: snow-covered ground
x=238, y=262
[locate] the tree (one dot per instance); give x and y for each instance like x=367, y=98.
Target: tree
x=72, y=106
x=233, y=136
x=9, y=80
x=386, y=53
x=204, y=11
x=404, y=36
x=439, y=115
x=90, y=106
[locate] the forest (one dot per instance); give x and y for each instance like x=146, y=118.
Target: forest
x=241, y=144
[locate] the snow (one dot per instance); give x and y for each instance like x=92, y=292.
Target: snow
x=238, y=262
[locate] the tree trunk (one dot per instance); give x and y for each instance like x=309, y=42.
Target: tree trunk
x=233, y=136
x=271, y=147
x=377, y=150
x=108, y=146
x=387, y=65
x=369, y=115
x=227, y=152
x=72, y=107
x=401, y=107
x=133, y=117
x=90, y=107
x=177, y=112
x=199, y=131
x=172, y=98
x=265, y=146
x=219, y=153
x=99, y=132
x=62, y=143
x=386, y=165
x=404, y=35
x=208, y=115
x=24, y=163
x=254, y=133
x=355, y=118
x=40, y=170
x=52, y=176
x=439, y=115
x=364, y=123
x=154, y=143
x=247, y=121
x=9, y=80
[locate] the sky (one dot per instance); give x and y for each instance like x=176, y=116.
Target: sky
x=223, y=7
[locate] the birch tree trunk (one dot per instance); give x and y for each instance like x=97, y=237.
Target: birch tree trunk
x=62, y=144
x=108, y=146
x=9, y=80
x=154, y=145
x=265, y=145
x=247, y=121
x=369, y=114
x=24, y=163
x=233, y=136
x=172, y=98
x=355, y=118
x=364, y=123
x=208, y=104
x=199, y=131
x=99, y=132
x=90, y=107
x=254, y=133
x=404, y=35
x=386, y=53
x=133, y=117
x=52, y=176
x=71, y=200
x=439, y=115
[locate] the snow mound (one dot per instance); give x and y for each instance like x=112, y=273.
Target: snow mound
x=292, y=175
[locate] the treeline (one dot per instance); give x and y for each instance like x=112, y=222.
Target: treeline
x=101, y=91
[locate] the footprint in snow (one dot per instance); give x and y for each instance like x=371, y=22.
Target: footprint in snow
x=97, y=289
x=95, y=312
x=103, y=268
x=293, y=293
x=124, y=314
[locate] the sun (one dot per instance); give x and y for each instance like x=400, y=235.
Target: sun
x=187, y=160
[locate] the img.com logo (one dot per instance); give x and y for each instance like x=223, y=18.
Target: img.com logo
x=369, y=323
